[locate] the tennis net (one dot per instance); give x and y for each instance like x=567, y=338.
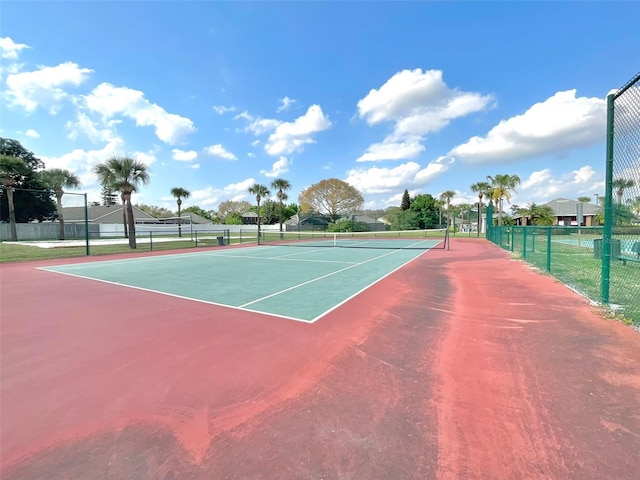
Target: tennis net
x=405, y=239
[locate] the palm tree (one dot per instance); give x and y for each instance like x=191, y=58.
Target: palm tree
x=584, y=199
x=446, y=197
x=180, y=193
x=282, y=186
x=635, y=205
x=12, y=171
x=58, y=179
x=482, y=189
x=502, y=186
x=539, y=214
x=620, y=184
x=124, y=174
x=439, y=203
x=260, y=191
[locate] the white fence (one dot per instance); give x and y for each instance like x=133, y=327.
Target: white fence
x=72, y=230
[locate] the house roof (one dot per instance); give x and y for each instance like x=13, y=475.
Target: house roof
x=101, y=214
x=564, y=207
x=250, y=215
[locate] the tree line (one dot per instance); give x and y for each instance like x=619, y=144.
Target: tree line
x=332, y=198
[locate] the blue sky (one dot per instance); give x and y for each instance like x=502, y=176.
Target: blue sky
x=214, y=96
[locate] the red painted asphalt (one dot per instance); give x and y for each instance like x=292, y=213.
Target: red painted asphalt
x=463, y=364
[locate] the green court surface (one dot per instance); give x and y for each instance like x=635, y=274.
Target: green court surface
x=300, y=284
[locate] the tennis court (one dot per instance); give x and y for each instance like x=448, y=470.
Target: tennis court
x=275, y=278
x=461, y=364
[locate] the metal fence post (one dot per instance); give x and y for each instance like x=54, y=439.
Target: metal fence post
x=608, y=209
x=548, y=249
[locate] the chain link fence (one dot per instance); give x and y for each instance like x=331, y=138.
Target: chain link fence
x=601, y=262
x=622, y=202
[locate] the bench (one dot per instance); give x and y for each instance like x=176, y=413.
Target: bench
x=635, y=248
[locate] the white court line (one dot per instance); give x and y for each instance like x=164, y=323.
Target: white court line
x=370, y=285
x=276, y=315
x=281, y=259
x=320, y=278
x=241, y=307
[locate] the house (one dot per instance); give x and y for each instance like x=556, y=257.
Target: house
x=316, y=221
x=186, y=217
x=103, y=214
x=565, y=212
x=250, y=218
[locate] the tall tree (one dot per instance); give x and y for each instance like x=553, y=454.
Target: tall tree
x=57, y=179
x=124, y=174
x=406, y=200
x=260, y=191
x=179, y=193
x=584, y=199
x=269, y=212
x=423, y=213
x=482, y=189
x=332, y=197
x=282, y=186
x=446, y=197
x=34, y=202
x=620, y=185
x=154, y=211
x=13, y=170
x=208, y=214
x=107, y=195
x=232, y=207
x=502, y=186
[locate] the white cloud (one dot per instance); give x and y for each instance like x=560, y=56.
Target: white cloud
x=221, y=109
x=220, y=152
x=195, y=166
x=417, y=103
x=584, y=174
x=209, y=197
x=262, y=125
x=544, y=185
x=10, y=49
x=244, y=116
x=391, y=151
x=109, y=101
x=148, y=158
x=43, y=87
x=279, y=167
x=184, y=156
x=290, y=137
x=31, y=133
x=376, y=180
x=558, y=125
x=82, y=162
x=285, y=103
x=251, y=155
x=84, y=125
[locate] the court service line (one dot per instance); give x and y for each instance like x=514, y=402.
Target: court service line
x=370, y=285
x=287, y=259
x=182, y=297
x=317, y=278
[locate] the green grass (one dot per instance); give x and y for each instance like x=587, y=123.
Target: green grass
x=20, y=253
x=578, y=268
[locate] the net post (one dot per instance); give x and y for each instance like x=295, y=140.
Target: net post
x=86, y=223
x=548, y=249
